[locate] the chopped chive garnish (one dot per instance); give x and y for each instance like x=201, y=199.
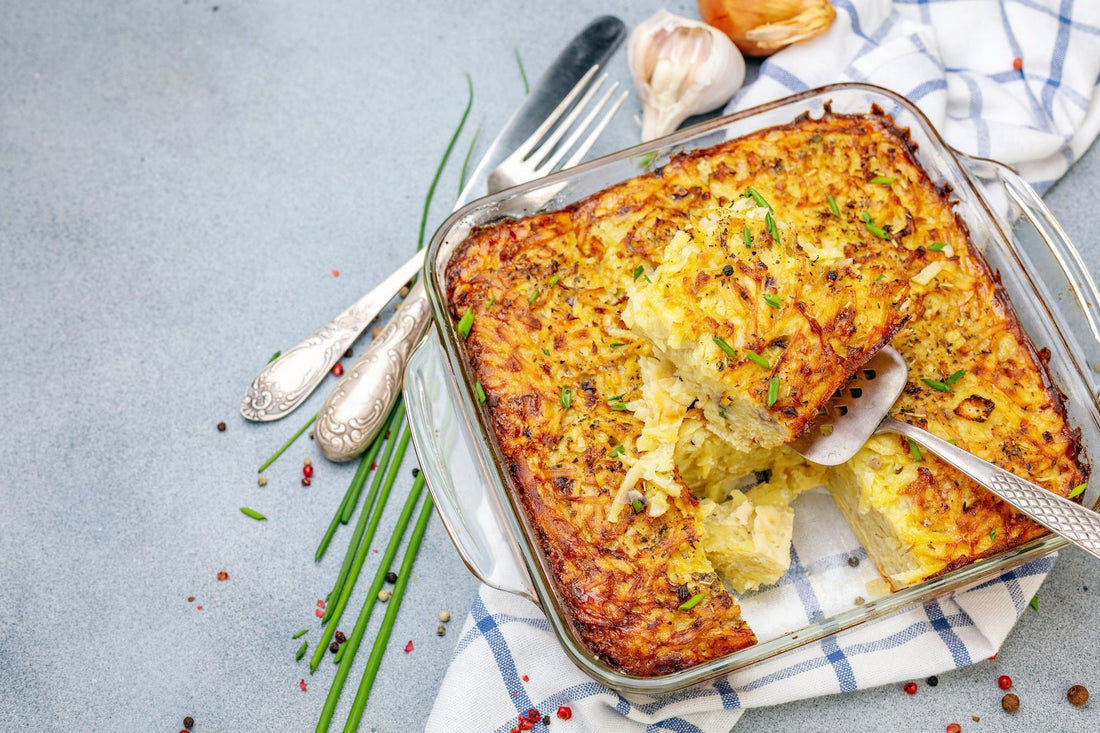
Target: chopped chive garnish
x=1034, y=603
x=883, y=180
x=937, y=246
x=645, y=160
x=479, y=392
x=522, y=72
x=300, y=634
x=553, y=280
x=937, y=385
x=773, y=390
x=757, y=359
x=773, y=230
x=638, y=272
x=274, y=356
x=492, y=299
x=618, y=449
x=546, y=351
x=725, y=347
x=746, y=236
x=881, y=277
x=955, y=377
x=617, y=344
x=638, y=506
x=691, y=602
x=914, y=450
x=876, y=230
x=773, y=300
x=993, y=534
x=833, y=207
x=756, y=196
x=617, y=397
x=252, y=513
x=466, y=322
x=617, y=405
x=534, y=297
x=1077, y=491
x=566, y=397
x=301, y=651
x=866, y=218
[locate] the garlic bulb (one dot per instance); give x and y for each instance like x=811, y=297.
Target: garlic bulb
x=681, y=68
x=762, y=27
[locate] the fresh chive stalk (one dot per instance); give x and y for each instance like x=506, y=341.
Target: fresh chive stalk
x=883, y=180
x=566, y=397
x=833, y=207
x=301, y=651
x=384, y=631
x=252, y=513
x=758, y=198
x=936, y=384
x=553, y=280
x=638, y=272
x=443, y=162
x=534, y=296
x=773, y=390
x=300, y=634
x=522, y=72
x=465, y=323
x=274, y=356
x=955, y=377
x=773, y=230
x=746, y=236
x=351, y=645
x=287, y=444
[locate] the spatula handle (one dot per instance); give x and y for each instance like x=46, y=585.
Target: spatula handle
x=1077, y=524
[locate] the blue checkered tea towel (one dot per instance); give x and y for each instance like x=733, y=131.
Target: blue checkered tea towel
x=1013, y=80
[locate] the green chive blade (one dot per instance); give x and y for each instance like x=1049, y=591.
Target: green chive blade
x=522, y=72
x=725, y=347
x=746, y=236
x=833, y=207
x=300, y=634
x=287, y=444
x=479, y=391
x=252, y=513
x=566, y=397
x=757, y=359
x=301, y=651
x=618, y=449
x=883, y=180
x=1034, y=603
x=691, y=602
x=773, y=300
x=914, y=450
x=1077, y=491
x=773, y=391
x=936, y=384
x=955, y=377
x=938, y=246
x=466, y=322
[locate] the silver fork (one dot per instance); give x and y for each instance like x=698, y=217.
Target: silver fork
x=360, y=402
x=287, y=381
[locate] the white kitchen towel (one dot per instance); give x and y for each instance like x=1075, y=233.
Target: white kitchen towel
x=1013, y=80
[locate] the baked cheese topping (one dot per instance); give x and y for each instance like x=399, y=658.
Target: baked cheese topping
x=644, y=506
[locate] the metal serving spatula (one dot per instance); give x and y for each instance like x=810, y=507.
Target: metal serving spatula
x=860, y=411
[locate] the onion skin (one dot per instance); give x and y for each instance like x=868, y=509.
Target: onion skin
x=762, y=27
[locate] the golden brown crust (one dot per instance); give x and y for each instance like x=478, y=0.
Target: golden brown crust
x=556, y=364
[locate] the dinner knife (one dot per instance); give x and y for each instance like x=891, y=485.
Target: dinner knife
x=286, y=382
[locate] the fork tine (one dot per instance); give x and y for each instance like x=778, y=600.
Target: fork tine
x=521, y=152
x=585, y=144
x=545, y=150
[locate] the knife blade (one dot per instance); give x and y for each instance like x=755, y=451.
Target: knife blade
x=286, y=382
x=362, y=400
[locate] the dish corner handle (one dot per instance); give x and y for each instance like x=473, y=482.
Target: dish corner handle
x=468, y=507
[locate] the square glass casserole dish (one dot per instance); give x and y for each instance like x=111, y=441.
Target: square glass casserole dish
x=1044, y=277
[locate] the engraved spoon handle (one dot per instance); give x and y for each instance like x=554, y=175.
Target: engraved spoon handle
x=362, y=400
x=1077, y=524
x=284, y=383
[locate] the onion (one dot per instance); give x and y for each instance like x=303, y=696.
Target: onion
x=762, y=27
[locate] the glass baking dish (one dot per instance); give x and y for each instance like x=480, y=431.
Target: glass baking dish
x=1043, y=274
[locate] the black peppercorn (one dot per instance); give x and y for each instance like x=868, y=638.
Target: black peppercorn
x=339, y=636
x=334, y=647
x=546, y=720
x=933, y=681
x=221, y=427
x=391, y=577
x=188, y=722
x=727, y=270
x=853, y=561
x=416, y=472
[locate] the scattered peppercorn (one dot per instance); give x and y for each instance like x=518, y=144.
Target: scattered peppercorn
x=338, y=370
x=546, y=720
x=262, y=481
x=307, y=469
x=933, y=681
x=339, y=636
x=564, y=712
x=222, y=575
x=349, y=353
x=910, y=688
x=1078, y=695
x=306, y=481
x=853, y=561
x=188, y=722
x=727, y=270
x=954, y=728
x=334, y=647
x=404, y=291
x=384, y=595
x=190, y=599
x=444, y=616
x=1004, y=682
x=975, y=718
x=1018, y=64
x=221, y=427
x=1010, y=703
x=391, y=577
x=416, y=471
x=441, y=630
